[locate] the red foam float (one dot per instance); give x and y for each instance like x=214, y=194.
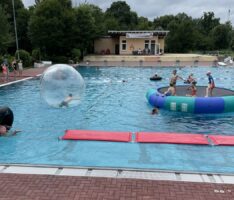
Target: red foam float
x=172, y=138
x=97, y=135
x=222, y=139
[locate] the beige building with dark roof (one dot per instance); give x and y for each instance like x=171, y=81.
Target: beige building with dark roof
x=131, y=43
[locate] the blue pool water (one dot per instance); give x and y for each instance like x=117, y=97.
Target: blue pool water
x=112, y=105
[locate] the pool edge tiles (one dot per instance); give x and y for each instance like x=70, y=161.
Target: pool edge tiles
x=18, y=81
x=119, y=173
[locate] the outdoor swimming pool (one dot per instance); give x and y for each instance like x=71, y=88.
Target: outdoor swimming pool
x=113, y=105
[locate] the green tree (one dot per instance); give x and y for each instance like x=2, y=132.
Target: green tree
x=99, y=19
x=232, y=40
x=38, y=2
x=85, y=28
x=7, y=6
x=51, y=27
x=143, y=24
x=207, y=22
x=121, y=11
x=202, y=42
x=5, y=36
x=36, y=55
x=221, y=36
x=181, y=36
x=112, y=23
x=163, y=22
x=22, y=19
x=25, y=57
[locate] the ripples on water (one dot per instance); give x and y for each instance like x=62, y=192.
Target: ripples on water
x=109, y=104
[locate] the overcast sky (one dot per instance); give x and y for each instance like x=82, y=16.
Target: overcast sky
x=156, y=8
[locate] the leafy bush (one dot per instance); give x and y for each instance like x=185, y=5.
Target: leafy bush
x=59, y=59
x=1, y=59
x=25, y=57
x=76, y=54
x=36, y=55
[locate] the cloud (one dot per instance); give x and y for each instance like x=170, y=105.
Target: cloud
x=156, y=8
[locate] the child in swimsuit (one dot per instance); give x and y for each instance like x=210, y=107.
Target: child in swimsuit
x=170, y=91
x=67, y=100
x=211, y=84
x=5, y=132
x=4, y=72
x=155, y=111
x=174, y=77
x=190, y=79
x=193, y=90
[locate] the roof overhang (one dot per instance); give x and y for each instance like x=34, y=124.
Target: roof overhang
x=138, y=34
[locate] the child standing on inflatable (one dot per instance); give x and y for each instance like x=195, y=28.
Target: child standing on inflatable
x=211, y=85
x=171, y=91
x=193, y=90
x=190, y=79
x=174, y=77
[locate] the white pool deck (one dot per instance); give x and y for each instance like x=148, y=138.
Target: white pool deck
x=118, y=173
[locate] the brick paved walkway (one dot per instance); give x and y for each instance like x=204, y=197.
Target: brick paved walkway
x=31, y=72
x=49, y=187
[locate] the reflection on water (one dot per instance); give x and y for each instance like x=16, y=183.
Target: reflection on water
x=113, y=105
x=208, y=124
x=109, y=103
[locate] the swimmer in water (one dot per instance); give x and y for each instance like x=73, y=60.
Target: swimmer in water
x=155, y=111
x=4, y=131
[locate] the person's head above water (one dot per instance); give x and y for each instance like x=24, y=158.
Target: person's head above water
x=70, y=95
x=3, y=130
x=154, y=111
x=174, y=71
x=208, y=73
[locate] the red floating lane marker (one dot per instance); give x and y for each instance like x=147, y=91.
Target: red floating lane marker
x=97, y=135
x=222, y=139
x=172, y=138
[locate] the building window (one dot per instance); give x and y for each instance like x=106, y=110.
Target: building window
x=146, y=44
x=124, y=45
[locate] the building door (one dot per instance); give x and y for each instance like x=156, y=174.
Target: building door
x=117, y=49
x=157, y=48
x=152, y=47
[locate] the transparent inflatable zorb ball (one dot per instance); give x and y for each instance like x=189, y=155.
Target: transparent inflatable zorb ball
x=62, y=86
